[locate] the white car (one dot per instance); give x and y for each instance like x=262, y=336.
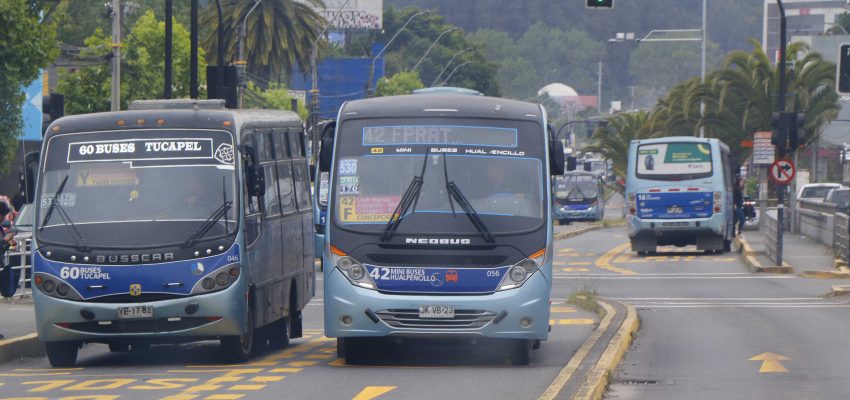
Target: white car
x=816, y=191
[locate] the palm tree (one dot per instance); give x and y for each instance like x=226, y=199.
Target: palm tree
x=612, y=140
x=280, y=34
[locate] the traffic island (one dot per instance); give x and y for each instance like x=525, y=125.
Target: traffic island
x=20, y=347
x=840, y=290
x=753, y=259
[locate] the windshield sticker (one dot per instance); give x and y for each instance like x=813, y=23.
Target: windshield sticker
x=348, y=166
x=367, y=209
x=143, y=149
x=224, y=154
x=439, y=134
x=106, y=177
x=64, y=199
x=349, y=185
x=674, y=158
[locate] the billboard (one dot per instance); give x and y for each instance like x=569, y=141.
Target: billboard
x=353, y=14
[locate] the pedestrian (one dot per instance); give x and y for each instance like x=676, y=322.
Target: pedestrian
x=738, y=200
x=6, y=242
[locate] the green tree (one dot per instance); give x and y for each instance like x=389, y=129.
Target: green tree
x=404, y=82
x=662, y=65
x=275, y=97
x=280, y=34
x=26, y=45
x=612, y=140
x=142, y=68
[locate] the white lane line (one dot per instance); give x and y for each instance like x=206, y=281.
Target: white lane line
x=654, y=306
x=680, y=277
x=718, y=298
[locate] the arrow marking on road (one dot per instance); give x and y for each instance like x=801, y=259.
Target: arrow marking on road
x=371, y=392
x=770, y=362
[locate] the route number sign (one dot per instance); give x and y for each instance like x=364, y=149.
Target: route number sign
x=782, y=172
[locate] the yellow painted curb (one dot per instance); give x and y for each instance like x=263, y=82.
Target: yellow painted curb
x=22, y=346
x=825, y=274
x=756, y=266
x=840, y=290
x=746, y=249
x=575, y=362
x=597, y=380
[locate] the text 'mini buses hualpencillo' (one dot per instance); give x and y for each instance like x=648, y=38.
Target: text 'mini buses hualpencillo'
x=439, y=222
x=172, y=225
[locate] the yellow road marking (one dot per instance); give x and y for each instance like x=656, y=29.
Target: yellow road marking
x=285, y=370
x=371, y=392
x=161, y=384
x=41, y=374
x=47, y=369
x=180, y=397
x=225, y=379
x=247, y=387
x=321, y=356
x=338, y=363
x=302, y=363
x=199, y=371
x=224, y=397
x=47, y=385
x=100, y=384
x=267, y=379
x=261, y=364
x=561, y=309
x=575, y=263
x=203, y=388
x=576, y=269
x=770, y=362
x=572, y=321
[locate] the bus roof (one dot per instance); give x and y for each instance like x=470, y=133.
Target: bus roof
x=441, y=105
x=170, y=118
x=692, y=139
x=448, y=90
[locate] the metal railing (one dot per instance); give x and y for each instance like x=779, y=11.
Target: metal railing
x=841, y=236
x=19, y=260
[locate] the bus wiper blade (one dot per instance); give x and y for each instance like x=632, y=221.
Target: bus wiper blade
x=454, y=192
x=408, y=199
x=80, y=241
x=202, y=230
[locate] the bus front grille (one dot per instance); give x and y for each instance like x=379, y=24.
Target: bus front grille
x=433, y=259
x=409, y=318
x=160, y=325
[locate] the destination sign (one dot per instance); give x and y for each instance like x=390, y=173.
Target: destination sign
x=141, y=149
x=439, y=134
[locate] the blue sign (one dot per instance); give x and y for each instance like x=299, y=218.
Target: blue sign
x=676, y=205
x=437, y=280
x=31, y=110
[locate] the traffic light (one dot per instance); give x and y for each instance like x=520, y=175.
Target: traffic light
x=842, y=79
x=600, y=3
x=53, y=108
x=787, y=126
x=231, y=82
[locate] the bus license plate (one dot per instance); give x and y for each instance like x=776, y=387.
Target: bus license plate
x=674, y=210
x=135, y=312
x=446, y=312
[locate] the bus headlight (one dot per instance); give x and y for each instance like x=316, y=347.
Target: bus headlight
x=351, y=268
x=217, y=280
x=55, y=287
x=521, y=271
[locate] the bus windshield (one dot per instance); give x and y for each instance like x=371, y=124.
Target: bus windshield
x=576, y=188
x=501, y=178
x=155, y=188
x=675, y=161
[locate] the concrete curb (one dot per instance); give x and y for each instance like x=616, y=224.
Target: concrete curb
x=751, y=259
x=825, y=274
x=19, y=347
x=840, y=290
x=594, y=387
x=579, y=231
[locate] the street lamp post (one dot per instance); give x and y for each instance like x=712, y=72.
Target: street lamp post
x=437, y=79
x=443, y=83
x=372, y=65
x=242, y=63
x=432, y=46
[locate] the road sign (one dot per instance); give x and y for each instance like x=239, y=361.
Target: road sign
x=842, y=78
x=782, y=172
x=763, y=150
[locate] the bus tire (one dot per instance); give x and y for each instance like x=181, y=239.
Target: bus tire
x=238, y=348
x=520, y=351
x=62, y=354
x=278, y=333
x=296, y=326
x=340, y=347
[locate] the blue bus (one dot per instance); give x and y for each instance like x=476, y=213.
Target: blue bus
x=579, y=196
x=679, y=192
x=439, y=222
x=172, y=225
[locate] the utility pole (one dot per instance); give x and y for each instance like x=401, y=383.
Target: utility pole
x=242, y=63
x=702, y=68
x=116, y=55
x=780, y=192
x=599, y=90
x=193, y=52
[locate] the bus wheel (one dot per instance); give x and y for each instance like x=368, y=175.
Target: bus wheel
x=520, y=351
x=62, y=354
x=278, y=333
x=238, y=348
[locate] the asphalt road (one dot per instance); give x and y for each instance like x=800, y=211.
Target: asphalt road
x=710, y=329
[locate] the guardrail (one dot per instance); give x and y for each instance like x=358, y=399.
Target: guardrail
x=19, y=260
x=817, y=206
x=771, y=242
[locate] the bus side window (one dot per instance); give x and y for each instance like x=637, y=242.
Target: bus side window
x=302, y=184
x=284, y=177
x=298, y=140
x=251, y=205
x=272, y=197
x=281, y=145
x=263, y=145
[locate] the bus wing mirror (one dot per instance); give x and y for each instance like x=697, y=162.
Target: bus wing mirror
x=327, y=149
x=556, y=158
x=571, y=163
x=254, y=173
x=29, y=174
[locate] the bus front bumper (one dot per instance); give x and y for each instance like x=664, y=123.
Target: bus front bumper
x=212, y=315
x=373, y=314
x=564, y=213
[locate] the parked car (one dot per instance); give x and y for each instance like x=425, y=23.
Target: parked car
x=816, y=191
x=840, y=197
